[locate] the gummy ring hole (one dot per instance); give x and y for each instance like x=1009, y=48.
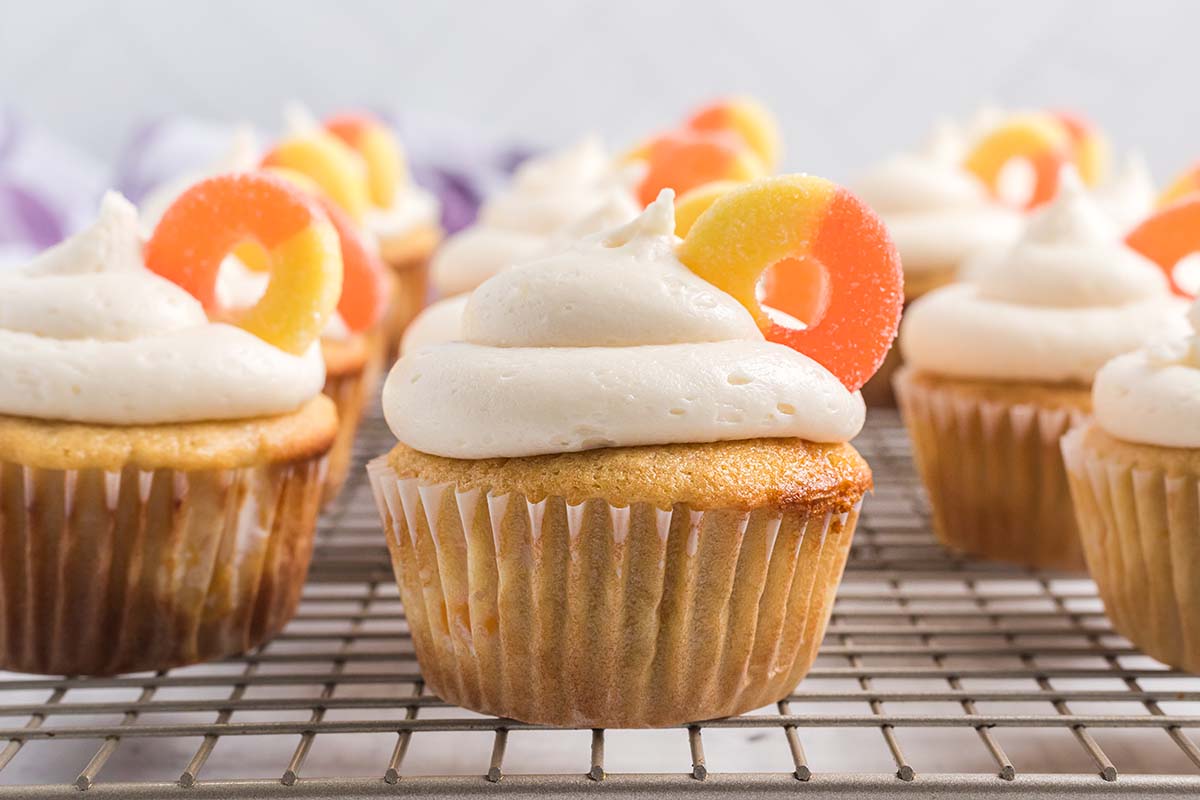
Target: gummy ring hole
x=1017, y=182
x=1186, y=274
x=794, y=293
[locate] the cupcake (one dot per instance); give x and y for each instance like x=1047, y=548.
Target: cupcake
x=1134, y=473
x=401, y=217
x=939, y=214
x=552, y=200
x=354, y=349
x=615, y=503
x=999, y=366
x=159, y=473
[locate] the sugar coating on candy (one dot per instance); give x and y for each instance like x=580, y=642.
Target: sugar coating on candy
x=683, y=160
x=323, y=157
x=1168, y=236
x=846, y=268
x=211, y=218
x=1091, y=152
x=372, y=140
x=1186, y=183
x=690, y=205
x=1038, y=138
x=749, y=119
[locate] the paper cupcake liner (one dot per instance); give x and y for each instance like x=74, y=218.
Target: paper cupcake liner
x=105, y=572
x=994, y=475
x=410, y=290
x=350, y=393
x=1140, y=529
x=596, y=615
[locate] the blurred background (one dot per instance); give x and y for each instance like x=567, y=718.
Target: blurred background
x=850, y=81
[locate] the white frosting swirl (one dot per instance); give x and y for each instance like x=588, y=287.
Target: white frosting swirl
x=88, y=334
x=610, y=343
x=937, y=213
x=580, y=189
x=1152, y=396
x=1053, y=307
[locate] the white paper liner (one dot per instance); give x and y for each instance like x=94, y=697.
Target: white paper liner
x=597, y=615
x=104, y=572
x=994, y=474
x=1140, y=529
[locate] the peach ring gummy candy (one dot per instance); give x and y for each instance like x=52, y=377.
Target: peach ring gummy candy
x=745, y=117
x=691, y=204
x=1090, y=149
x=683, y=160
x=1040, y=139
x=326, y=159
x=1185, y=184
x=1168, y=236
x=212, y=217
x=374, y=142
x=814, y=251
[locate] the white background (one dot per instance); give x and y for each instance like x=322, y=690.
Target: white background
x=851, y=81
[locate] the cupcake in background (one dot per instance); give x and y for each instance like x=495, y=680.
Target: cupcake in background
x=999, y=366
x=626, y=497
x=556, y=198
x=1134, y=473
x=552, y=199
x=161, y=472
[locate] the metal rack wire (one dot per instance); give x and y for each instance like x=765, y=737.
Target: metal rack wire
x=939, y=676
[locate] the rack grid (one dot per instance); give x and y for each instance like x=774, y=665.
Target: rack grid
x=939, y=676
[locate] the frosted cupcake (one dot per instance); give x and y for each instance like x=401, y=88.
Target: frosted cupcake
x=1000, y=366
x=552, y=200
x=1135, y=478
x=159, y=473
x=614, y=459
x=354, y=351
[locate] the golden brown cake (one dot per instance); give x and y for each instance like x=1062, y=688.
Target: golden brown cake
x=644, y=561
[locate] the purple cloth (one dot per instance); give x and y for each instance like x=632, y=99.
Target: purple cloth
x=47, y=189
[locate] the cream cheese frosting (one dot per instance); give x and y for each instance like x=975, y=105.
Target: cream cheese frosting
x=88, y=334
x=1064, y=299
x=1129, y=195
x=937, y=213
x=611, y=342
x=549, y=196
x=1152, y=396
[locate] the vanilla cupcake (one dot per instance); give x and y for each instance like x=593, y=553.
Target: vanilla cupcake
x=1135, y=478
x=614, y=503
x=939, y=215
x=553, y=200
x=999, y=366
x=159, y=473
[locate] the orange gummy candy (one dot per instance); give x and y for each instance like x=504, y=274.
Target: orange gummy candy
x=1168, y=236
x=813, y=249
x=364, y=288
x=212, y=217
x=683, y=160
x=1040, y=139
x=1091, y=155
x=745, y=117
x=374, y=142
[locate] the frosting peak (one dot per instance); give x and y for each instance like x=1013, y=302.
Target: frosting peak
x=1070, y=256
x=611, y=342
x=88, y=334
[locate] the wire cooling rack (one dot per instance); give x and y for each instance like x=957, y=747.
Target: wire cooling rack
x=939, y=677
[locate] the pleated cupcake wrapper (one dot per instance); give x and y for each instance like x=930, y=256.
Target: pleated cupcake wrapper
x=597, y=615
x=994, y=475
x=350, y=393
x=105, y=572
x=410, y=290
x=1140, y=529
